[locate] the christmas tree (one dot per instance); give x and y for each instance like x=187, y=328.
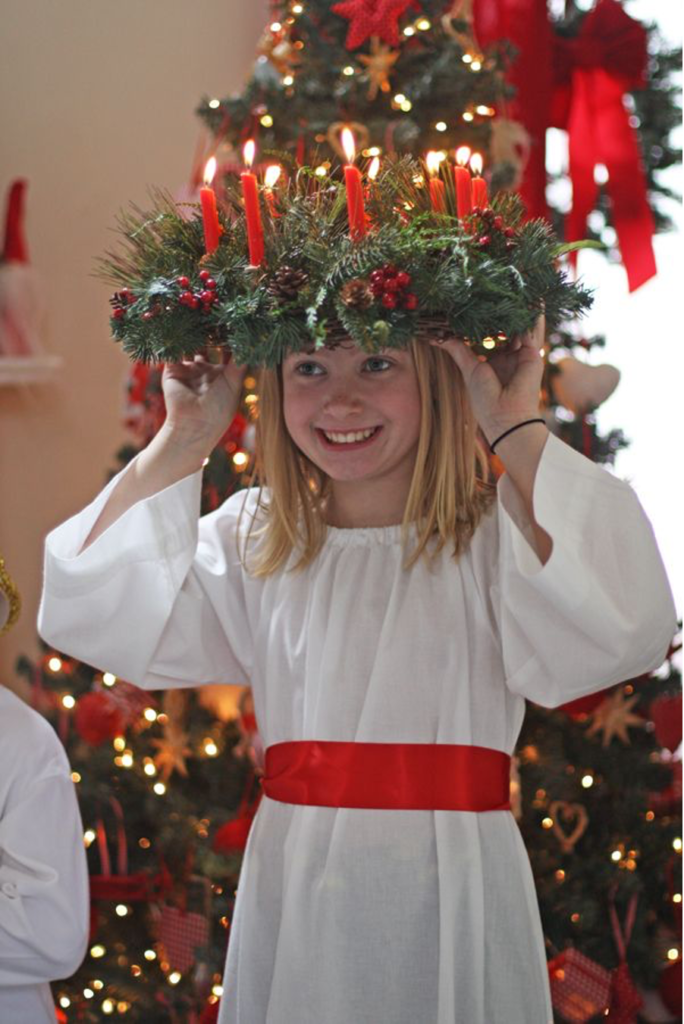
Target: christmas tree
x=407, y=78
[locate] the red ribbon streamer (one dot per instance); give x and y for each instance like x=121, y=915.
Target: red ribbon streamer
x=607, y=58
x=525, y=23
x=388, y=776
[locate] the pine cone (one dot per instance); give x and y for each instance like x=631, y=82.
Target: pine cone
x=286, y=283
x=357, y=294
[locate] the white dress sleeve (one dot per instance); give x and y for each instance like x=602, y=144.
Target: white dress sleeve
x=158, y=598
x=600, y=611
x=44, y=899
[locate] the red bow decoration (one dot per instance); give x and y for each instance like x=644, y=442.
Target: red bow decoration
x=592, y=72
x=372, y=18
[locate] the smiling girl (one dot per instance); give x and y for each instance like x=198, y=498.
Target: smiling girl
x=391, y=611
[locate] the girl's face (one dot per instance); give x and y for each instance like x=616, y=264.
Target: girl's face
x=357, y=417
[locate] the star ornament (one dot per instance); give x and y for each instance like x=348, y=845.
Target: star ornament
x=369, y=18
x=613, y=717
x=173, y=749
x=378, y=63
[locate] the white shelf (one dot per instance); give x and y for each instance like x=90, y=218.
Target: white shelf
x=28, y=369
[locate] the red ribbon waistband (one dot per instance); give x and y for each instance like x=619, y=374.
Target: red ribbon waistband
x=388, y=776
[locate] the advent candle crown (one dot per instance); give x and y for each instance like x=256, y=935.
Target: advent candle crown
x=313, y=257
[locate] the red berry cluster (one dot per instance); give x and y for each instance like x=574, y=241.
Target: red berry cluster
x=203, y=299
x=120, y=302
x=489, y=223
x=390, y=286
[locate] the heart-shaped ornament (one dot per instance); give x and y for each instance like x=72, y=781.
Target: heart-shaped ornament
x=561, y=810
x=581, y=387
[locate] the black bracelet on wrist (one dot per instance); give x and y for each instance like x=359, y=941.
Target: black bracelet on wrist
x=516, y=427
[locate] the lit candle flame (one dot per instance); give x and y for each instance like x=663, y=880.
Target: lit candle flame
x=271, y=175
x=432, y=162
x=209, y=170
x=248, y=151
x=476, y=163
x=374, y=168
x=348, y=145
x=463, y=156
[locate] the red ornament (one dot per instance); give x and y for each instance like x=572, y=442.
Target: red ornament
x=666, y=714
x=97, y=718
x=484, y=240
x=183, y=282
x=118, y=313
x=410, y=301
x=210, y=283
x=207, y=297
x=670, y=986
x=204, y=275
x=372, y=18
x=403, y=279
x=510, y=232
x=389, y=300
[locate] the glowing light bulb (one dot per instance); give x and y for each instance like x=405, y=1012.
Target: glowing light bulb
x=476, y=65
x=159, y=788
x=616, y=855
x=587, y=781
x=119, y=743
x=150, y=768
x=64, y=1001
x=423, y=25
x=547, y=823
x=217, y=990
x=68, y=701
x=288, y=80
x=240, y=460
x=441, y=126
x=214, y=104
x=108, y=1006
x=399, y=98
x=149, y=714
x=121, y=909
x=174, y=977
x=210, y=748
x=276, y=26
x=109, y=678
x=489, y=343
x=266, y=121
x=150, y=954
x=467, y=116
x=89, y=837
x=673, y=954
x=55, y=664
x=348, y=71
x=75, y=776
x=97, y=951
x=88, y=993
x=677, y=845
x=409, y=31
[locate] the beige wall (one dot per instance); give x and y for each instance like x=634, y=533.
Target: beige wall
x=96, y=103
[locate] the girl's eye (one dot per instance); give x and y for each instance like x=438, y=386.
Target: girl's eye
x=376, y=364
x=308, y=370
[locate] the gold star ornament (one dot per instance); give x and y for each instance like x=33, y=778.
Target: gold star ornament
x=378, y=63
x=613, y=717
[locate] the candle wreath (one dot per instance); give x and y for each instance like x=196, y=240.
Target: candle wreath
x=484, y=277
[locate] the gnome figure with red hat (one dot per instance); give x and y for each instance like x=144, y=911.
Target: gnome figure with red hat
x=20, y=300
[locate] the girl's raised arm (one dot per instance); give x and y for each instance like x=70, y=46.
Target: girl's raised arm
x=201, y=399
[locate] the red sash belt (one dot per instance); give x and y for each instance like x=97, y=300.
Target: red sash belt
x=390, y=776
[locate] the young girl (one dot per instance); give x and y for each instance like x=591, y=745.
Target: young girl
x=391, y=616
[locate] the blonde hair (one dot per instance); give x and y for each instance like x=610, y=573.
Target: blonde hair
x=449, y=492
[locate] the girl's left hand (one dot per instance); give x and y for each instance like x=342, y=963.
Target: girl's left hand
x=504, y=387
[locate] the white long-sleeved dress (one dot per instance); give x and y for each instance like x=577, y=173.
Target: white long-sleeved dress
x=377, y=916
x=43, y=874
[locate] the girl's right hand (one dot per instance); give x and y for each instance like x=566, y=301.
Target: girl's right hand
x=201, y=399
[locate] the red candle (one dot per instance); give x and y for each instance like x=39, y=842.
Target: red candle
x=462, y=180
x=212, y=228
x=270, y=178
x=478, y=185
x=437, y=190
x=250, y=192
x=354, y=186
